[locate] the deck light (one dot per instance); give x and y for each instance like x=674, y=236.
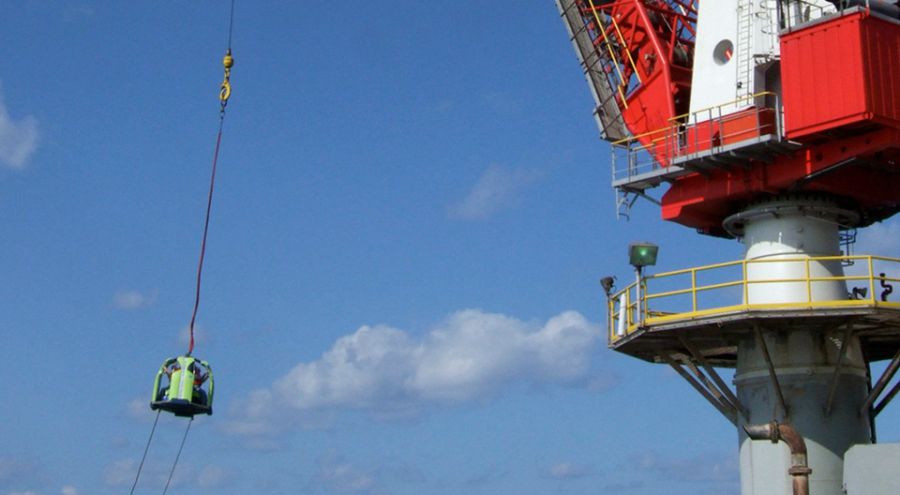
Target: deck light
x=641, y=254
x=608, y=284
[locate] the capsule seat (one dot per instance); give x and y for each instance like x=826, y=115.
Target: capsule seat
x=184, y=387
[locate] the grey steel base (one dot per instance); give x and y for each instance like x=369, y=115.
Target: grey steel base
x=804, y=365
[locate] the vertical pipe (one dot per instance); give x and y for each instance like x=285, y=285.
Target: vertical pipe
x=774, y=432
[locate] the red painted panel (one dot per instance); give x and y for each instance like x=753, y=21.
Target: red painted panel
x=703, y=201
x=881, y=43
x=730, y=129
x=841, y=72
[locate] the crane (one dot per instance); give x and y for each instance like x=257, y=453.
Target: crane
x=776, y=122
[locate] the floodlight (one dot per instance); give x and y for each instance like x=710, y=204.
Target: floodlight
x=608, y=283
x=641, y=254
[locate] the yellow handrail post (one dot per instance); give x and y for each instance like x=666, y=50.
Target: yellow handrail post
x=694, y=289
x=809, y=297
x=628, y=317
x=871, y=280
x=746, y=283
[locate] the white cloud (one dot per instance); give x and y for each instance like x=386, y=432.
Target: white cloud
x=211, y=477
x=18, y=140
x=24, y=493
x=69, y=490
x=339, y=475
x=201, y=336
x=155, y=473
x=882, y=239
x=139, y=408
x=132, y=299
x=121, y=472
x=472, y=355
x=498, y=188
x=75, y=13
x=707, y=467
x=568, y=471
x=11, y=468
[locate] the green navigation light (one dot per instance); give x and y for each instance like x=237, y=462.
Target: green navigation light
x=641, y=254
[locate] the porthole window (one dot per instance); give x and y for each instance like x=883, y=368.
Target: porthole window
x=723, y=52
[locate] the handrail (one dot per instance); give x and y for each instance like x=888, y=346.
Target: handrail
x=677, y=117
x=651, y=153
x=623, y=304
x=726, y=104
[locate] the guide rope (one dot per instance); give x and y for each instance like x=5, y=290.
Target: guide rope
x=178, y=455
x=144, y=458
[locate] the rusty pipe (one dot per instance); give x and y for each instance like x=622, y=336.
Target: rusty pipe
x=774, y=432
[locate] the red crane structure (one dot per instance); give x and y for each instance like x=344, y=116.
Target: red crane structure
x=776, y=122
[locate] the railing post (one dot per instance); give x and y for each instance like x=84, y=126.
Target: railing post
x=614, y=160
x=628, y=311
x=694, y=290
x=871, y=279
x=746, y=284
x=638, y=296
x=632, y=161
x=778, y=117
x=611, y=321
x=809, y=297
x=756, y=109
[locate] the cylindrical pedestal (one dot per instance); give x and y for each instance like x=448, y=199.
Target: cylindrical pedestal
x=781, y=235
x=804, y=361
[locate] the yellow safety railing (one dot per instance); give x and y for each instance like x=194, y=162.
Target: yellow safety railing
x=670, y=142
x=729, y=289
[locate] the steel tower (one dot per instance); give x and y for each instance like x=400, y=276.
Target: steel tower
x=778, y=123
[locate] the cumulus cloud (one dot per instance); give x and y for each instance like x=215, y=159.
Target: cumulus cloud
x=18, y=139
x=471, y=355
x=497, y=189
x=881, y=238
x=703, y=468
x=69, y=490
x=211, y=477
x=121, y=473
x=201, y=336
x=569, y=471
x=11, y=469
x=131, y=299
x=336, y=474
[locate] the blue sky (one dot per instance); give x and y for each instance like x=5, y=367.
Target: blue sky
x=401, y=292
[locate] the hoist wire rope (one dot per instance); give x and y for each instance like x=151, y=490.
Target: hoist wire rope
x=230, y=24
x=178, y=455
x=212, y=185
x=144, y=457
x=224, y=94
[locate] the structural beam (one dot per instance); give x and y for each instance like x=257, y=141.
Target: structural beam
x=882, y=382
x=722, y=386
x=832, y=390
x=761, y=342
x=729, y=413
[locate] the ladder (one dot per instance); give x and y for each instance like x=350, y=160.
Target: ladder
x=599, y=67
x=744, y=49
